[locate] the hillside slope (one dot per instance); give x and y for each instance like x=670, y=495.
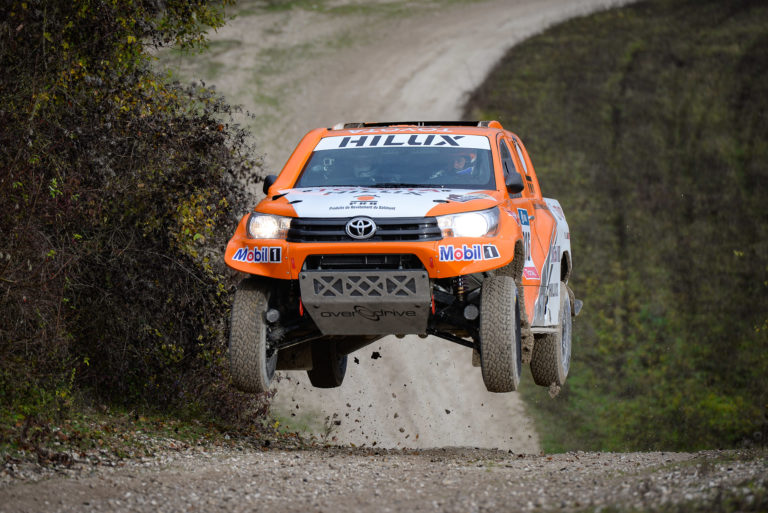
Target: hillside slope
x=649, y=124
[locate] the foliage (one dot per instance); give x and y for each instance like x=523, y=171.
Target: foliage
x=95, y=435
x=117, y=192
x=649, y=124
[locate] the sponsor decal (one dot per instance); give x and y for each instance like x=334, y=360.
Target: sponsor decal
x=371, y=315
x=353, y=201
x=531, y=273
x=558, y=210
x=511, y=213
x=265, y=255
x=329, y=191
x=523, y=214
x=553, y=289
x=529, y=269
x=525, y=224
x=364, y=202
x=373, y=205
x=406, y=140
x=468, y=253
x=463, y=198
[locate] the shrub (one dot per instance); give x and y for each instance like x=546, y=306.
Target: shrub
x=117, y=192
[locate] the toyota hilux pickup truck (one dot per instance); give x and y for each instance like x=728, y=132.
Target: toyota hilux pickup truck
x=404, y=228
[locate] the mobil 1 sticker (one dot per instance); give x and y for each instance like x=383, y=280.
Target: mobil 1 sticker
x=257, y=255
x=467, y=253
x=340, y=142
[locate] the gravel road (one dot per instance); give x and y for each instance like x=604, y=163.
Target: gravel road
x=346, y=479
x=390, y=60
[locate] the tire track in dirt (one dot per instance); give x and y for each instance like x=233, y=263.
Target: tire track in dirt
x=301, y=69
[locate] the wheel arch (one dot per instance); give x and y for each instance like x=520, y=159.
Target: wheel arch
x=515, y=267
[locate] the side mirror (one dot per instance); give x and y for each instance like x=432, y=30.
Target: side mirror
x=514, y=182
x=269, y=181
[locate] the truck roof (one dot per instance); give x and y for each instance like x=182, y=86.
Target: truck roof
x=393, y=124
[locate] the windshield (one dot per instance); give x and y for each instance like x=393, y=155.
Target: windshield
x=401, y=160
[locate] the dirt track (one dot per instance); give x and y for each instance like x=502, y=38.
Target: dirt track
x=341, y=480
x=300, y=69
x=390, y=60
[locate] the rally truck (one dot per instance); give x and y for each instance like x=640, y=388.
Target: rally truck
x=405, y=228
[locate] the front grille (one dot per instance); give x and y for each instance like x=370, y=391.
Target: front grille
x=355, y=262
x=387, y=229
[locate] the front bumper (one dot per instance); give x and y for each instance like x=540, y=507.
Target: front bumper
x=445, y=258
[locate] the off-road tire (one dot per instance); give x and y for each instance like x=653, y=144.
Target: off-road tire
x=500, y=351
x=252, y=370
x=328, y=367
x=552, y=352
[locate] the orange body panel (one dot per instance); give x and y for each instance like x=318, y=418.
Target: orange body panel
x=277, y=258
x=294, y=254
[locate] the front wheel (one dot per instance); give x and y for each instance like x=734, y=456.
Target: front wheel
x=252, y=362
x=500, y=351
x=552, y=353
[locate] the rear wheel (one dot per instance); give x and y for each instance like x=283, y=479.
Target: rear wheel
x=552, y=352
x=500, y=351
x=328, y=366
x=252, y=363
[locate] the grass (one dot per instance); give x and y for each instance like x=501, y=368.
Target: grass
x=97, y=432
x=301, y=423
x=746, y=497
x=648, y=123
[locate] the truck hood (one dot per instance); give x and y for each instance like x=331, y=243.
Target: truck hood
x=377, y=202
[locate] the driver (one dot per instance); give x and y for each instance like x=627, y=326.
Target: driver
x=463, y=163
x=363, y=171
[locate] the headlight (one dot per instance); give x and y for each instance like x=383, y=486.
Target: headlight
x=484, y=223
x=266, y=226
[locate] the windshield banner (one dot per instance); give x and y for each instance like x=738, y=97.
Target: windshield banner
x=339, y=142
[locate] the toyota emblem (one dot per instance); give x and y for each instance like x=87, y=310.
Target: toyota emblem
x=361, y=227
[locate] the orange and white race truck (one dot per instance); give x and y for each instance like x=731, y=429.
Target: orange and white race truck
x=423, y=228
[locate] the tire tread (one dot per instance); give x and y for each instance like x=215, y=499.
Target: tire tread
x=499, y=334
x=247, y=355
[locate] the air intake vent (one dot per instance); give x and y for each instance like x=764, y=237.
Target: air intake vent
x=387, y=229
x=371, y=262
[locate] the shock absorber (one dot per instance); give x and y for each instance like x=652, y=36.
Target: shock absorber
x=459, y=285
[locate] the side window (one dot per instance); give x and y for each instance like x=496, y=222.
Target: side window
x=528, y=178
x=506, y=159
x=520, y=154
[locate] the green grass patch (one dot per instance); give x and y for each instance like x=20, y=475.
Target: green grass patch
x=746, y=497
x=120, y=433
x=649, y=124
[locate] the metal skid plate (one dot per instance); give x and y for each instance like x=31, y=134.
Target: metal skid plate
x=367, y=302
